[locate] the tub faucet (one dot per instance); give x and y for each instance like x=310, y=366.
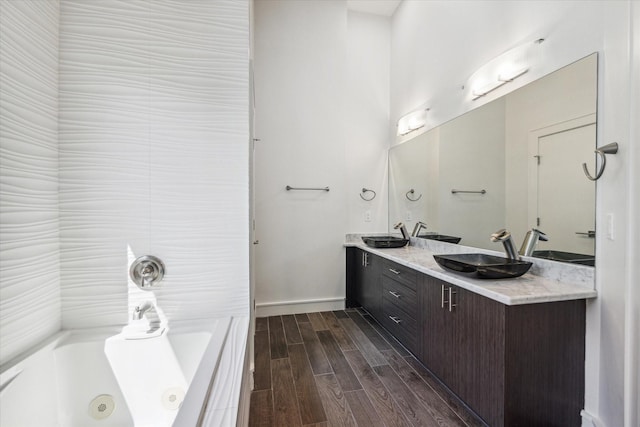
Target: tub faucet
x=419, y=226
x=141, y=309
x=400, y=226
x=530, y=241
x=505, y=237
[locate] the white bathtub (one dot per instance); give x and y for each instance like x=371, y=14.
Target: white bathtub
x=98, y=378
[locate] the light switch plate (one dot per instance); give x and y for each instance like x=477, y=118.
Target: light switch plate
x=611, y=231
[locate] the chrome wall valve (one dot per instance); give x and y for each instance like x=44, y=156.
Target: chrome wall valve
x=146, y=272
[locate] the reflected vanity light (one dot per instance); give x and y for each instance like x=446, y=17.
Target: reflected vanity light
x=412, y=121
x=503, y=79
x=505, y=68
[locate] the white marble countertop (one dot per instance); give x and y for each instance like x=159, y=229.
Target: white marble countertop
x=526, y=289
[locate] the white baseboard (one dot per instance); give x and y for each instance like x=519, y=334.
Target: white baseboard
x=300, y=306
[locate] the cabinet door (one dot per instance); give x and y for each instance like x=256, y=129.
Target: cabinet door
x=463, y=345
x=436, y=328
x=365, y=288
x=371, y=289
x=478, y=348
x=353, y=267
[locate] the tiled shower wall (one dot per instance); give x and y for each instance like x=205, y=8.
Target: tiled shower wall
x=154, y=135
x=29, y=242
x=124, y=132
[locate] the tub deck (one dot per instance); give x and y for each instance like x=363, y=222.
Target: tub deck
x=190, y=375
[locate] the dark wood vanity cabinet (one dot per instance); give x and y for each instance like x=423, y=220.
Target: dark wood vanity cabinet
x=513, y=365
x=518, y=365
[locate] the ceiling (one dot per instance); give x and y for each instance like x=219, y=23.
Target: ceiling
x=376, y=7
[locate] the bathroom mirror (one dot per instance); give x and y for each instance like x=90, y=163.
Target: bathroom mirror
x=513, y=163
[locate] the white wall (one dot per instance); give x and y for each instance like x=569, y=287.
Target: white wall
x=29, y=239
x=367, y=119
x=321, y=82
x=154, y=130
x=433, y=54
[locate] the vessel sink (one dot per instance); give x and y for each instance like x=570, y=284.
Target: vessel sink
x=566, y=257
x=441, y=238
x=483, y=266
x=385, y=241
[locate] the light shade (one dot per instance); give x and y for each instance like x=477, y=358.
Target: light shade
x=412, y=121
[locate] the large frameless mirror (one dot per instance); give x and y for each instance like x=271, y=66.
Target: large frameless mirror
x=514, y=163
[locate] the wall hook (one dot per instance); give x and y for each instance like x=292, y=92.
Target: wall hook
x=601, y=152
x=366, y=190
x=412, y=191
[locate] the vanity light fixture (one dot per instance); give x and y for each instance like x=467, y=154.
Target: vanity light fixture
x=412, y=121
x=503, y=79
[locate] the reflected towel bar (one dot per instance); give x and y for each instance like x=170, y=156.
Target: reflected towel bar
x=464, y=191
x=288, y=187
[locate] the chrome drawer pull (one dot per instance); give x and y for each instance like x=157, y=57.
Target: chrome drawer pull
x=442, y=301
x=395, y=319
x=451, y=294
x=395, y=294
x=394, y=271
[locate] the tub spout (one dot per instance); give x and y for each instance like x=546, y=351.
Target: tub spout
x=141, y=309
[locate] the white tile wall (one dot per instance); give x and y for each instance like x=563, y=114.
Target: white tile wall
x=29, y=240
x=154, y=155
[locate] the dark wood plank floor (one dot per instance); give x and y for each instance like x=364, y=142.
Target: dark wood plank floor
x=339, y=369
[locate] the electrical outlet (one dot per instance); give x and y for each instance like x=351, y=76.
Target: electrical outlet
x=408, y=216
x=367, y=216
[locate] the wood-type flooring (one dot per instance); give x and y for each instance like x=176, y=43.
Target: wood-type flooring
x=341, y=368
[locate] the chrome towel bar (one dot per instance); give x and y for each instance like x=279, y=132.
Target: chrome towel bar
x=289, y=188
x=469, y=191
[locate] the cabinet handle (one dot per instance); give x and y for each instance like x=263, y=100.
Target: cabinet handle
x=451, y=304
x=395, y=294
x=442, y=300
x=365, y=259
x=395, y=319
x=394, y=271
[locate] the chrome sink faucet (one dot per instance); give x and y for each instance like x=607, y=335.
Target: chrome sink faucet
x=509, y=247
x=416, y=229
x=140, y=310
x=530, y=241
x=400, y=226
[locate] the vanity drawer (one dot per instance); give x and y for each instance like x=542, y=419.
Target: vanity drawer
x=402, y=326
x=400, y=273
x=400, y=295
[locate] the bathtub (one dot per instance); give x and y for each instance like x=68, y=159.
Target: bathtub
x=103, y=378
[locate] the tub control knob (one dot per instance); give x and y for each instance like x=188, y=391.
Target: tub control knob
x=146, y=272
